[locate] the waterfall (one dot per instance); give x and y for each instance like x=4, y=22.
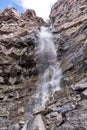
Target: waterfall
x=50, y=76
x=47, y=58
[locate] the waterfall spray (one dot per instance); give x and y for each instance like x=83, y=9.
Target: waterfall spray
x=51, y=77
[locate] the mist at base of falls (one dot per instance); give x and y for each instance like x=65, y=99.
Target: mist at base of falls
x=47, y=56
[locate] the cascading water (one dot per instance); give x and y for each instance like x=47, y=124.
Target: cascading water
x=47, y=56
x=49, y=69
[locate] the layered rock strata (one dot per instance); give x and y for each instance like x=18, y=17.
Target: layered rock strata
x=17, y=62
x=69, y=18
x=66, y=109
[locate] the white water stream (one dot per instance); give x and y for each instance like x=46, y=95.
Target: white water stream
x=52, y=75
x=50, y=78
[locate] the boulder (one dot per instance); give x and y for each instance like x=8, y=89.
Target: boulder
x=37, y=123
x=80, y=87
x=84, y=94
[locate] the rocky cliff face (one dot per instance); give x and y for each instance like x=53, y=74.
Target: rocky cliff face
x=67, y=108
x=17, y=37
x=17, y=62
x=69, y=18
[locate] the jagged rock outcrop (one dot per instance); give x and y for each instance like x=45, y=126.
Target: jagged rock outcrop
x=17, y=62
x=17, y=41
x=69, y=18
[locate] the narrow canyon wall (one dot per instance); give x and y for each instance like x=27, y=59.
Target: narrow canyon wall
x=69, y=17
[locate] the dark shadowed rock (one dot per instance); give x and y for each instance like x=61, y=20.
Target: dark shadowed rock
x=80, y=87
